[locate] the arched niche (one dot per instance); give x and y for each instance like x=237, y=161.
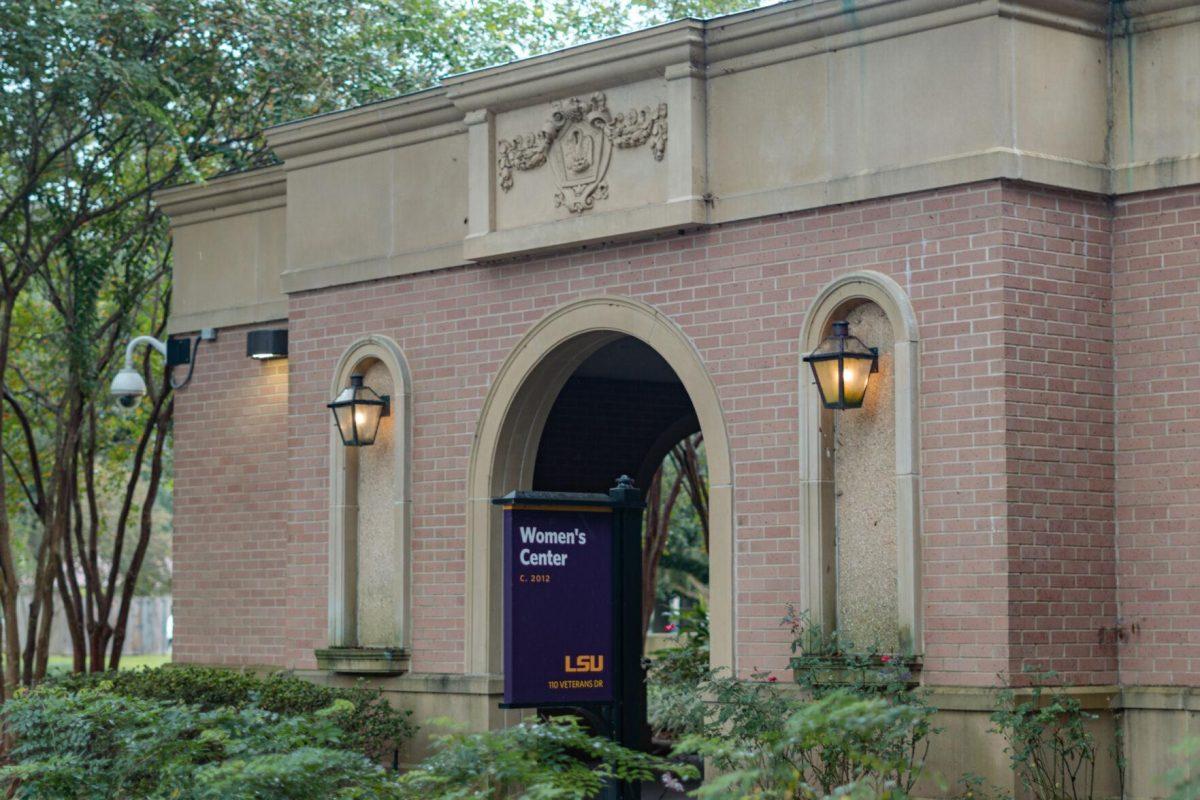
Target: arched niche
x=504, y=454
x=817, y=447
x=370, y=509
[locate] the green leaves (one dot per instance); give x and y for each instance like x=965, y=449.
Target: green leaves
x=95, y=740
x=777, y=747
x=1046, y=739
x=851, y=727
x=553, y=760
x=363, y=718
x=92, y=745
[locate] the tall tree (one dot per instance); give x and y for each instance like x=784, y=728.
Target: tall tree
x=102, y=103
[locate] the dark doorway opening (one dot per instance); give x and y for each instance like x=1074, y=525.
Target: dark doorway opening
x=625, y=411
x=620, y=412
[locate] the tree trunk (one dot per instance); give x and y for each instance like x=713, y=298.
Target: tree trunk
x=8, y=580
x=145, y=529
x=658, y=531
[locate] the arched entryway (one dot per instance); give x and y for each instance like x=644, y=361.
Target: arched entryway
x=600, y=335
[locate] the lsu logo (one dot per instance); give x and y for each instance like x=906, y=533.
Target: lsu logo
x=583, y=663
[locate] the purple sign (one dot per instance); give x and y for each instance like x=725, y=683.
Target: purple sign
x=558, y=605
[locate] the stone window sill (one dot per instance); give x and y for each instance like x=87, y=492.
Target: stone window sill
x=364, y=660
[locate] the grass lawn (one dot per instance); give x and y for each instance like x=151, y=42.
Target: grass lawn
x=60, y=664
x=127, y=662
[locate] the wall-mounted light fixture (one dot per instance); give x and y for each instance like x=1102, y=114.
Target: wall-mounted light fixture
x=267, y=344
x=357, y=411
x=842, y=365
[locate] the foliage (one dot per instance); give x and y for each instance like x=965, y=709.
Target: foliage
x=94, y=745
x=1047, y=741
x=105, y=103
x=859, y=731
x=824, y=663
x=971, y=786
x=789, y=758
x=369, y=723
x=94, y=738
x=1183, y=780
x=556, y=758
x=673, y=704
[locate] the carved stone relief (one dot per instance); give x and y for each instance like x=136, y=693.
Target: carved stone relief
x=577, y=139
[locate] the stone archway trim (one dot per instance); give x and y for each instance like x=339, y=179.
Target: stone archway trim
x=510, y=423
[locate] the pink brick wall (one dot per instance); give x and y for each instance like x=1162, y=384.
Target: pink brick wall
x=1058, y=397
x=230, y=539
x=1012, y=290
x=1156, y=279
x=741, y=293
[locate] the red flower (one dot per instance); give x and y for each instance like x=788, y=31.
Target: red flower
x=886, y=659
x=772, y=679
x=669, y=627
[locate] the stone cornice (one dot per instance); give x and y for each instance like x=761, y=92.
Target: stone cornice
x=230, y=194
x=628, y=58
x=388, y=118
x=791, y=30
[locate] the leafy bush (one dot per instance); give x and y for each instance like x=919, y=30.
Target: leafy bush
x=1047, y=740
x=534, y=760
x=93, y=745
x=370, y=724
x=853, y=725
x=826, y=663
x=826, y=747
x=674, y=707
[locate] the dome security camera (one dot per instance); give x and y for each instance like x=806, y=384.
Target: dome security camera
x=128, y=387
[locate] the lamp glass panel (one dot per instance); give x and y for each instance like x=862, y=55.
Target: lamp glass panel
x=366, y=421
x=826, y=373
x=855, y=375
x=344, y=416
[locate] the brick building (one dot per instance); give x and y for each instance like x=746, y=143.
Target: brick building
x=1003, y=197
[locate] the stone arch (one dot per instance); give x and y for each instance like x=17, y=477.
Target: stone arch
x=816, y=446
x=343, y=501
x=506, y=442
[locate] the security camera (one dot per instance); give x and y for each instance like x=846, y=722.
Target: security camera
x=128, y=387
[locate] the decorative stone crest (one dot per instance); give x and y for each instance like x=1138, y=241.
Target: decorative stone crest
x=577, y=139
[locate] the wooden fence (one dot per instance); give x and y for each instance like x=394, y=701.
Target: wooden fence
x=146, y=633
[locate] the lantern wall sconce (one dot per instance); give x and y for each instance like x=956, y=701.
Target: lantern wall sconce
x=357, y=412
x=842, y=366
x=267, y=344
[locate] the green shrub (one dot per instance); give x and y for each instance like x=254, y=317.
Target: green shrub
x=371, y=725
x=826, y=663
x=783, y=748
x=853, y=725
x=94, y=745
x=534, y=760
x=1047, y=741
x=92, y=742
x=674, y=707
